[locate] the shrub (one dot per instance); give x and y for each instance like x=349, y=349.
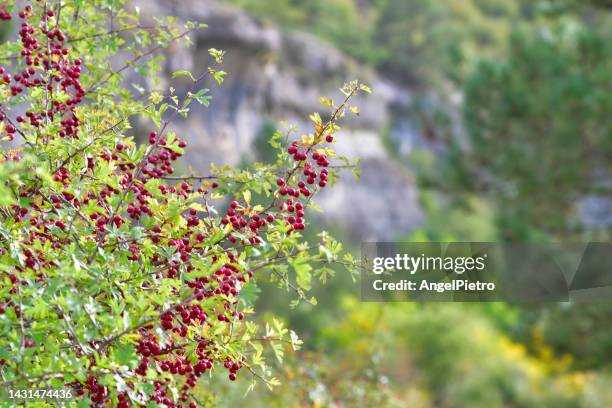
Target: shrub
x=121, y=282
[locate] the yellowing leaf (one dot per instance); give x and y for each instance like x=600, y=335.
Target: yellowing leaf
x=316, y=118
x=308, y=140
x=156, y=97
x=365, y=88
x=247, y=196
x=327, y=102
x=197, y=207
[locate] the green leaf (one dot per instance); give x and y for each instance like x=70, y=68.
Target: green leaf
x=201, y=97
x=217, y=55
x=125, y=354
x=302, y=273
x=249, y=294
x=219, y=76
x=182, y=74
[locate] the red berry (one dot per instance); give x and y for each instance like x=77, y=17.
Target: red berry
x=329, y=138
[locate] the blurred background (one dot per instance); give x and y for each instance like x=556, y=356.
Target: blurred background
x=491, y=120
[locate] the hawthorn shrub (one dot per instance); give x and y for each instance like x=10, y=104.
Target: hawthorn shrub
x=121, y=281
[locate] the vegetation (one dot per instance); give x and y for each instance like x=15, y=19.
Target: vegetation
x=122, y=284
x=129, y=285
x=538, y=125
x=534, y=140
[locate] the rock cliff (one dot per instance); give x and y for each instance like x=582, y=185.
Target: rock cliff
x=275, y=75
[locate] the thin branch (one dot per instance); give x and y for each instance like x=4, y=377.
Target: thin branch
x=134, y=60
x=256, y=374
x=69, y=327
x=192, y=177
x=112, y=32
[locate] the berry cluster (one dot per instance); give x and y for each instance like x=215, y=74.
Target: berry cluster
x=56, y=67
x=170, y=357
x=225, y=284
x=97, y=392
x=233, y=367
x=160, y=162
x=5, y=15
x=315, y=175
x=242, y=221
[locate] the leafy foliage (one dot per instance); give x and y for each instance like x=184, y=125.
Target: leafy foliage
x=538, y=126
x=121, y=280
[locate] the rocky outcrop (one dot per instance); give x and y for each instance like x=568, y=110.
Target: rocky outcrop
x=275, y=75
